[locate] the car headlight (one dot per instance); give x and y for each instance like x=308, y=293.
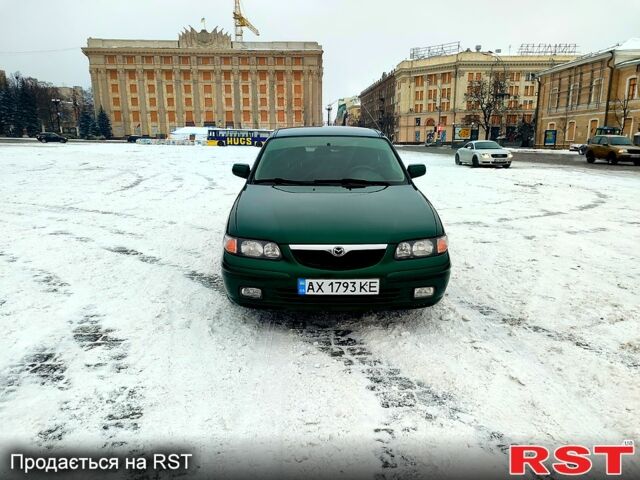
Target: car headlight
x=509, y=155
x=251, y=248
x=421, y=248
x=622, y=150
x=486, y=155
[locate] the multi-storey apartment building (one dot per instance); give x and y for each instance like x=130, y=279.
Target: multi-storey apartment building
x=205, y=79
x=378, y=105
x=432, y=94
x=596, y=90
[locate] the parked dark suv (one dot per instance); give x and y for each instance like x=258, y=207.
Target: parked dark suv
x=613, y=149
x=45, y=137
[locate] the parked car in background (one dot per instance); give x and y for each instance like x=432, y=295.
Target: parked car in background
x=613, y=149
x=45, y=137
x=483, y=152
x=134, y=138
x=330, y=219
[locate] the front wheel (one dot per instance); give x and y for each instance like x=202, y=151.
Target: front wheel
x=221, y=143
x=591, y=158
x=457, y=159
x=258, y=144
x=506, y=165
x=613, y=160
x=475, y=163
x=636, y=163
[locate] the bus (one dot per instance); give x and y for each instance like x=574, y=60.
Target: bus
x=222, y=137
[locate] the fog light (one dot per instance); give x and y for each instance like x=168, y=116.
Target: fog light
x=251, y=292
x=423, y=292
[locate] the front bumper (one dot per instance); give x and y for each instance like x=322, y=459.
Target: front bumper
x=278, y=281
x=495, y=161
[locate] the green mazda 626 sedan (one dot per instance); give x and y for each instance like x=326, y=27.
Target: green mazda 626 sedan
x=329, y=219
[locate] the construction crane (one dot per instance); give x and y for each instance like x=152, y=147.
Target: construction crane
x=241, y=21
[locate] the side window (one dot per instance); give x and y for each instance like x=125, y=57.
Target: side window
x=595, y=140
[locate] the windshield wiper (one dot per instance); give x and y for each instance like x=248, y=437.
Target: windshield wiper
x=350, y=182
x=282, y=181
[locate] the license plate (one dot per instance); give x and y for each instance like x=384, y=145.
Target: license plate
x=367, y=286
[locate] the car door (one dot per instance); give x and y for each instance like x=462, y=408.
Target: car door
x=471, y=149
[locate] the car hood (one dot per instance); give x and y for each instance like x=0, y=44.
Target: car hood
x=311, y=215
x=491, y=151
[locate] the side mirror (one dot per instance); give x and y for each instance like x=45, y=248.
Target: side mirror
x=241, y=170
x=417, y=170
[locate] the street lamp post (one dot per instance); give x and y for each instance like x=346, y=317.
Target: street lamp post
x=56, y=102
x=329, y=108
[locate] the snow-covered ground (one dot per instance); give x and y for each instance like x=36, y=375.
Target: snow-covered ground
x=117, y=335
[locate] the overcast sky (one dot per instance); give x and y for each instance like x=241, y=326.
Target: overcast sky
x=361, y=38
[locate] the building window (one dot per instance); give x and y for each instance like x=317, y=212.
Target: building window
x=262, y=60
x=168, y=75
x=297, y=116
x=208, y=102
x=417, y=135
x=117, y=116
x=470, y=77
x=297, y=76
x=417, y=120
x=134, y=101
x=418, y=81
x=171, y=102
x=263, y=116
x=443, y=120
x=446, y=77
x=246, y=116
x=188, y=116
x=226, y=60
x=419, y=95
x=184, y=61
x=263, y=102
x=280, y=101
x=135, y=116
x=244, y=76
x=529, y=77
x=187, y=89
x=280, y=116
x=571, y=131
x=152, y=102
x=227, y=102
x=171, y=116
x=297, y=89
x=148, y=60
x=131, y=75
x=297, y=60
x=151, y=89
x=245, y=89
x=226, y=76
x=154, y=116
x=262, y=76
x=297, y=102
x=130, y=59
x=114, y=88
x=417, y=108
x=186, y=75
x=169, y=89
x=207, y=89
x=632, y=88
x=150, y=74
x=206, y=76
x=279, y=60
x=116, y=101
x=113, y=75
x=244, y=60
x=188, y=102
x=133, y=88
x=205, y=61
x=227, y=89
x=166, y=60
x=263, y=89
x=110, y=59
x=594, y=91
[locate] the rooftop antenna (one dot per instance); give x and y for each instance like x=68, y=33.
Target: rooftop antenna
x=241, y=21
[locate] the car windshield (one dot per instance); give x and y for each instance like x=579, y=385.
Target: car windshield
x=329, y=160
x=619, y=141
x=486, y=145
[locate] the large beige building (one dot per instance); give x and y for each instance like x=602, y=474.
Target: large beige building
x=430, y=92
x=596, y=90
x=205, y=79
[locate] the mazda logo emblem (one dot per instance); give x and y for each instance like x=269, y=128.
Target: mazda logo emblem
x=337, y=251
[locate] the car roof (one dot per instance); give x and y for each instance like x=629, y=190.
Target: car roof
x=326, y=131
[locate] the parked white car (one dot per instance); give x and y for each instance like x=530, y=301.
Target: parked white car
x=483, y=152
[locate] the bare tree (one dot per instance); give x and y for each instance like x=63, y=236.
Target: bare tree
x=487, y=96
x=621, y=111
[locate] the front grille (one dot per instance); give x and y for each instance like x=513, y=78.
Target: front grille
x=499, y=155
x=634, y=151
x=349, y=261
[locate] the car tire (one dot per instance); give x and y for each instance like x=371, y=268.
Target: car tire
x=474, y=162
x=64, y=141
x=636, y=163
x=612, y=159
x=221, y=143
x=506, y=165
x=258, y=144
x=458, y=159
x=591, y=158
